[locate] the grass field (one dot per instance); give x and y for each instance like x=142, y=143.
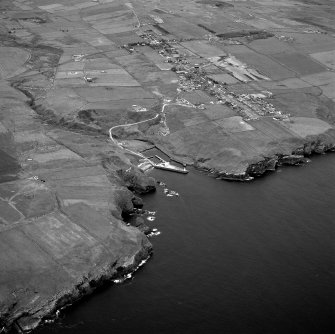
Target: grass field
x=299, y=63
x=304, y=126
x=203, y=49
x=327, y=58
x=11, y=61
x=266, y=65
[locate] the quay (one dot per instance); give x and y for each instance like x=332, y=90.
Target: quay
x=165, y=165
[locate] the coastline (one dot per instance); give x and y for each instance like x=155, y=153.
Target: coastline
x=30, y=319
x=68, y=82
x=299, y=156
x=61, y=228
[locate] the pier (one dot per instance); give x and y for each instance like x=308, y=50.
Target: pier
x=165, y=165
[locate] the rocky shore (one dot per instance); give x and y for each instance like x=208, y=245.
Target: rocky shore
x=229, y=103
x=61, y=228
x=30, y=316
x=298, y=157
x=62, y=201
x=250, y=170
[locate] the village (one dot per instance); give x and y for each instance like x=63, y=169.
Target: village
x=97, y=94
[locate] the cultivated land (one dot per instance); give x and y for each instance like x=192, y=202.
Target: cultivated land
x=231, y=87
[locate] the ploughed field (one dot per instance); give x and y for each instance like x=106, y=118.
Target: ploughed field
x=232, y=87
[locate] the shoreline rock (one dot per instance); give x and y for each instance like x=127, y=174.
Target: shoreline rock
x=30, y=320
x=69, y=203
x=299, y=156
x=140, y=224
x=135, y=180
x=68, y=237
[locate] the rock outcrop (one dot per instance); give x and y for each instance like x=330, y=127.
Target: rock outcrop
x=140, y=224
x=135, y=180
x=61, y=228
x=298, y=157
x=250, y=170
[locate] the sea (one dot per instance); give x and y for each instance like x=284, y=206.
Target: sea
x=247, y=258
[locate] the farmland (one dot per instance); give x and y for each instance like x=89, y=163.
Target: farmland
x=225, y=86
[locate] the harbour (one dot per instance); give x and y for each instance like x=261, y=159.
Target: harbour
x=120, y=123
x=252, y=257
x=165, y=165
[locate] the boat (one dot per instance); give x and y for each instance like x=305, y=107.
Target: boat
x=165, y=165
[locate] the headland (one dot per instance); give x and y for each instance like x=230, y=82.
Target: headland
x=234, y=88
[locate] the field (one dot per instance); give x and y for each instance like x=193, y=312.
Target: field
x=327, y=58
x=299, y=63
x=203, y=49
x=220, y=85
x=11, y=60
x=267, y=66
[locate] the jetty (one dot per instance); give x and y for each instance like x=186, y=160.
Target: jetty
x=165, y=165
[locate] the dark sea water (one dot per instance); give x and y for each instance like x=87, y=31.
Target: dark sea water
x=232, y=258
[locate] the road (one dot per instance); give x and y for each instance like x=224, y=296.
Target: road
x=121, y=146
x=147, y=120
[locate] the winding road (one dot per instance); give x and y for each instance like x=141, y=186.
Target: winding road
x=121, y=146
x=147, y=120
